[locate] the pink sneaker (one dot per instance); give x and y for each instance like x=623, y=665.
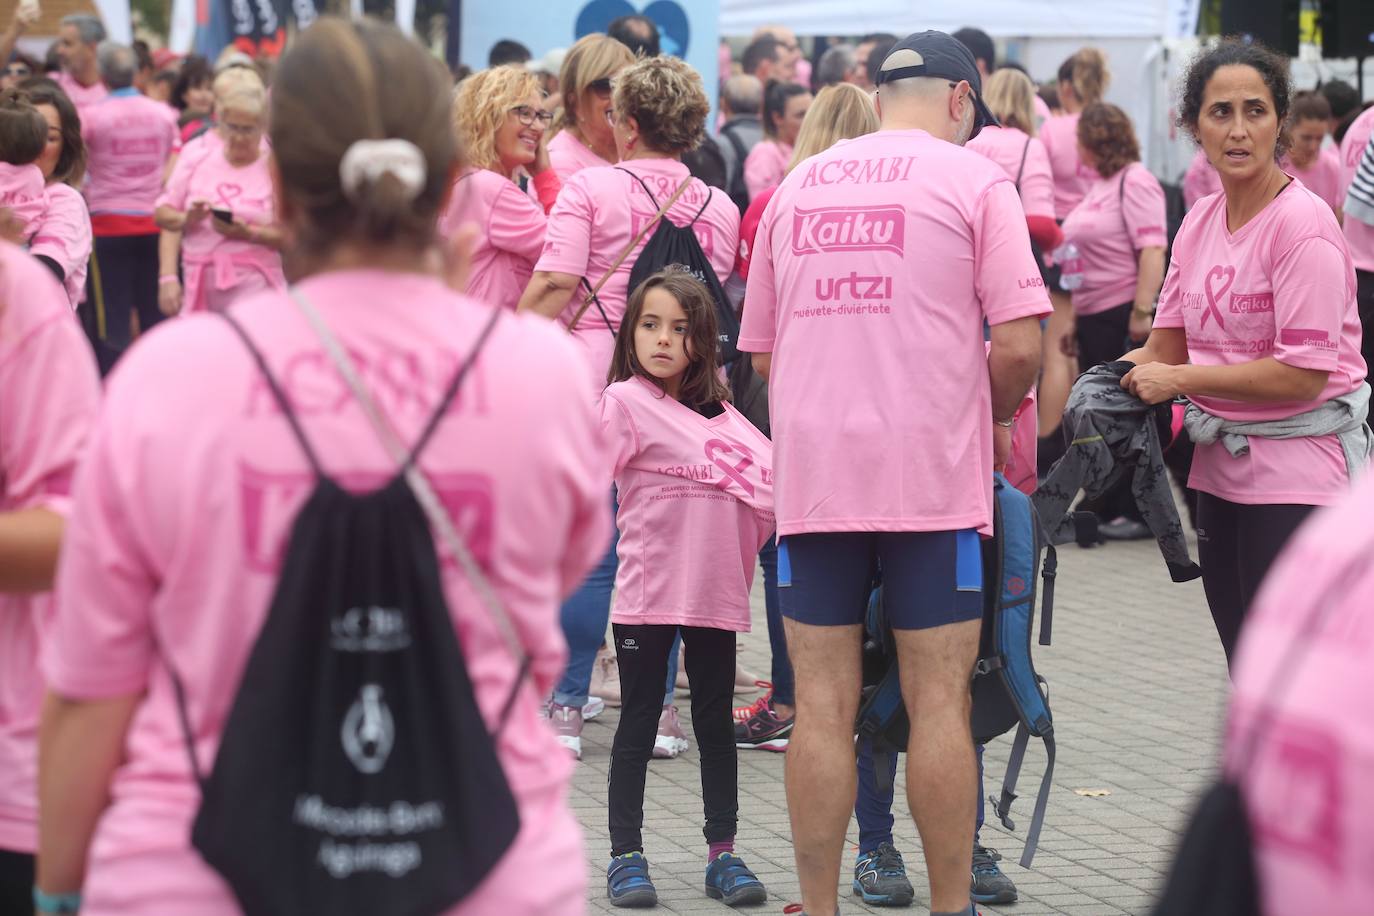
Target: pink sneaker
x=567, y=725
x=671, y=740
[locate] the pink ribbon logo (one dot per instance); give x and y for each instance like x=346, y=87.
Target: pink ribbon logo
x=1228, y=275
x=716, y=447
x=228, y=192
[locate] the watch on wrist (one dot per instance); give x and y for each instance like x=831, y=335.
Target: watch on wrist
x=1006, y=424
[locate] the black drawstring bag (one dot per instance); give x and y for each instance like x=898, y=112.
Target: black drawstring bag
x=1214, y=873
x=355, y=774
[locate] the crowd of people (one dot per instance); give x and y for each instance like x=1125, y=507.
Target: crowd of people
x=548, y=350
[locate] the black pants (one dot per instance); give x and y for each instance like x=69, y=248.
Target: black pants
x=709, y=655
x=124, y=271
x=1236, y=545
x=1364, y=300
x=1102, y=339
x=16, y=883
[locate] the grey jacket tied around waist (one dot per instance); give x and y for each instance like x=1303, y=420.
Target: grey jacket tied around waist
x=1345, y=417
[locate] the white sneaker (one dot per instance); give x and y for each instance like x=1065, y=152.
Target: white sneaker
x=595, y=707
x=567, y=726
x=671, y=740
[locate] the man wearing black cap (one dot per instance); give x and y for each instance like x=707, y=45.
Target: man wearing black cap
x=875, y=268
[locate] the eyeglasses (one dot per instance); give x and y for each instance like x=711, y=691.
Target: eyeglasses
x=240, y=130
x=601, y=86
x=19, y=71
x=528, y=116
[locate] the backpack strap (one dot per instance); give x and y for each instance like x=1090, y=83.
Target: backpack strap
x=639, y=237
x=1020, y=170
x=420, y=486
x=438, y=415
x=277, y=394
x=1049, y=572
x=737, y=172
x=706, y=203
x=1002, y=805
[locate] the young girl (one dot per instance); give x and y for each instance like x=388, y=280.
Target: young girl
x=696, y=504
x=23, y=134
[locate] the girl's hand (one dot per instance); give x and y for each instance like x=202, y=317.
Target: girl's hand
x=1154, y=383
x=237, y=230
x=541, y=155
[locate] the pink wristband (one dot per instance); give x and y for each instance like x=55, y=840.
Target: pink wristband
x=168, y=278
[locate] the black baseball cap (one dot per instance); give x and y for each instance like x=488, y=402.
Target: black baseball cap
x=936, y=54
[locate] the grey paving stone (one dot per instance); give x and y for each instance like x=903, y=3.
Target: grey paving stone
x=1138, y=686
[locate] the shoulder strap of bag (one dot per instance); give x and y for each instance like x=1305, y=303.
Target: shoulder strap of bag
x=634, y=242
x=1020, y=170
x=419, y=483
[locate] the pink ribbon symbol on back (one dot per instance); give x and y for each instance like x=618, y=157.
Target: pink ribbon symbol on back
x=714, y=447
x=1217, y=273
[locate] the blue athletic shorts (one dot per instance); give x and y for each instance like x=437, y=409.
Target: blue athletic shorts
x=930, y=578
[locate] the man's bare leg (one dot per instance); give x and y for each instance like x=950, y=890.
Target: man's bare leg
x=819, y=771
x=941, y=771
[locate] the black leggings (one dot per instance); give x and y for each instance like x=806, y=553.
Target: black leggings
x=1236, y=545
x=709, y=655
x=1364, y=301
x=16, y=883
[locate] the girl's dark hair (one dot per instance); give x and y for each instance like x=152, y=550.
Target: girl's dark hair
x=775, y=97
x=341, y=82
x=23, y=130
x=1231, y=52
x=1310, y=105
x=71, y=165
x=195, y=71
x=701, y=384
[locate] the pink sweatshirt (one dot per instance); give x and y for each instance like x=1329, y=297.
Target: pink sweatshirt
x=765, y=165
x=22, y=192
x=64, y=234
x=696, y=504
x=184, y=510
x=49, y=392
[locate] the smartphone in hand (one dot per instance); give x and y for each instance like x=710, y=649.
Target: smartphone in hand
x=224, y=216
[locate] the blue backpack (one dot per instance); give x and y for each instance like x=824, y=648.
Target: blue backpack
x=1007, y=692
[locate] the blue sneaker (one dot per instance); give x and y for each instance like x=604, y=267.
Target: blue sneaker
x=729, y=880
x=627, y=881
x=880, y=878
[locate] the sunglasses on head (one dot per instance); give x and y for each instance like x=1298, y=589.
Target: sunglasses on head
x=601, y=86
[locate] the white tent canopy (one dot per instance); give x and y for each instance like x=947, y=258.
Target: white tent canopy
x=1000, y=18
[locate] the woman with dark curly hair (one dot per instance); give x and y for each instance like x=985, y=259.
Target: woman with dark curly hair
x=593, y=239
x=1257, y=326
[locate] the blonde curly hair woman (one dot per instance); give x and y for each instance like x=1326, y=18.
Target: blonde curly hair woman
x=502, y=126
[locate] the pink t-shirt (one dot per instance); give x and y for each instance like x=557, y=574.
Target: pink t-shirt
x=64, y=234
x=49, y=394
x=1024, y=159
x=1322, y=177
x=597, y=215
x=696, y=504
x=82, y=96
x=1071, y=177
x=215, y=266
x=765, y=165
x=1200, y=180
x=569, y=155
x=510, y=234
x=1281, y=286
x=183, y=513
x=22, y=192
x=1119, y=216
x=128, y=139
x=874, y=268
x=1359, y=234
x=1303, y=671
